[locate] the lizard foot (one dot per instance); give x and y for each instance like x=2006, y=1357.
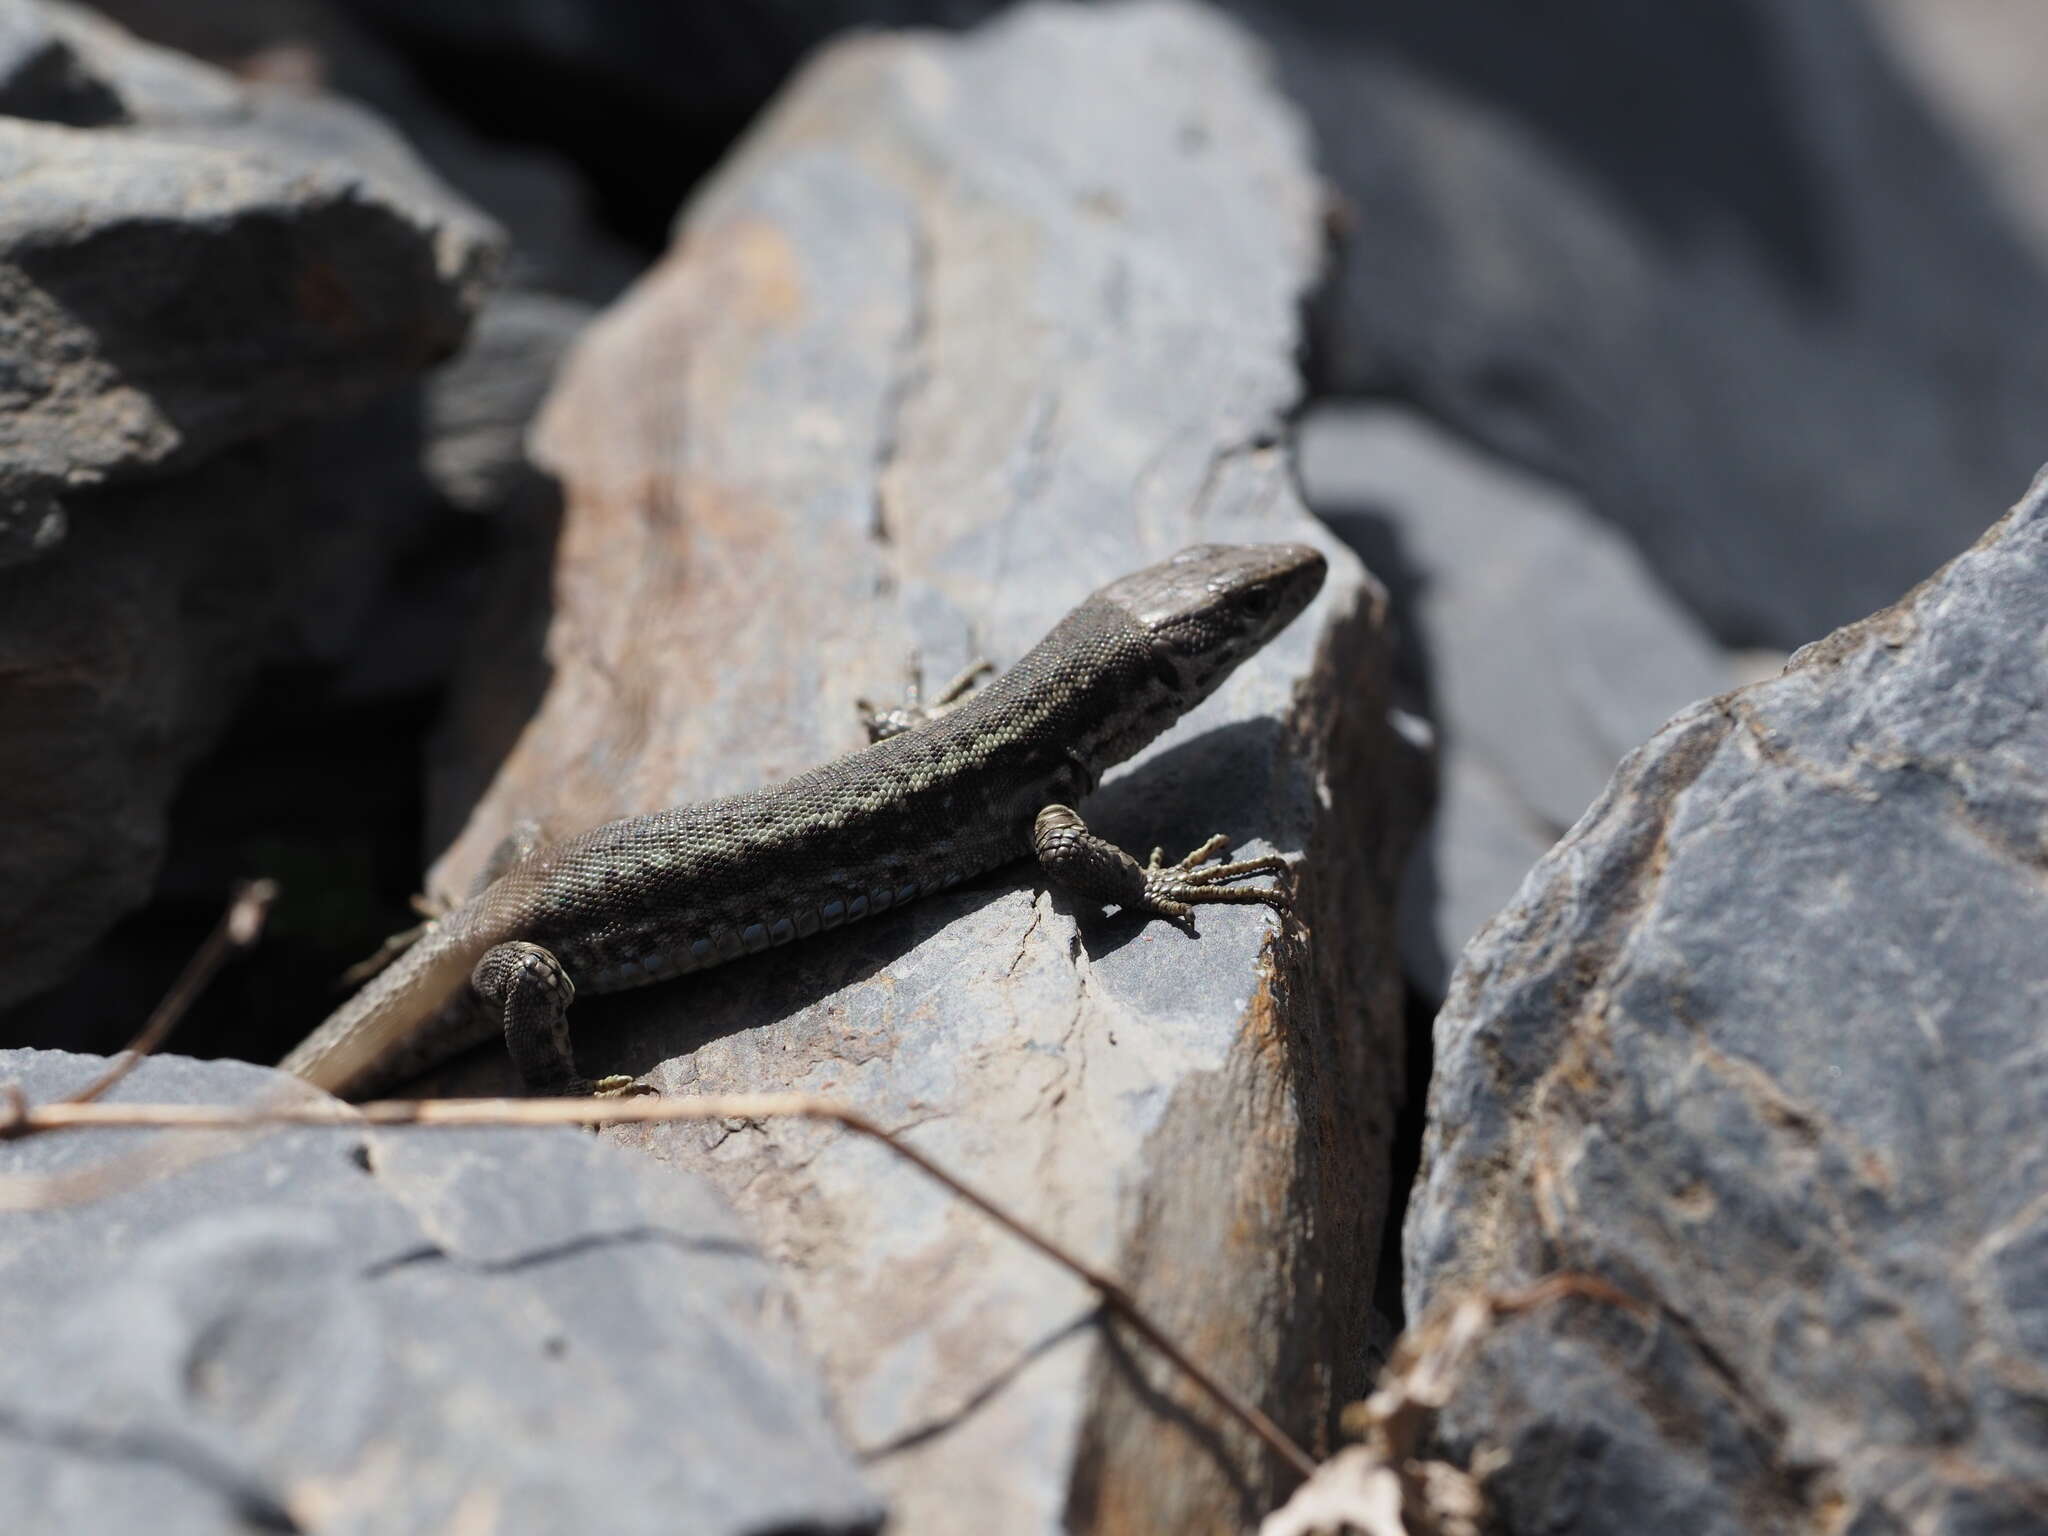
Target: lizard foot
x=1096, y=868
x=881, y=724
x=1173, y=889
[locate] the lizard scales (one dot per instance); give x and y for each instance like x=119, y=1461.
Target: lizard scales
x=650, y=898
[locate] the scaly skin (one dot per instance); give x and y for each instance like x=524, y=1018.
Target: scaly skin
x=992, y=780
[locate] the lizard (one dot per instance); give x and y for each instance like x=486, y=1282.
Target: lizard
x=935, y=800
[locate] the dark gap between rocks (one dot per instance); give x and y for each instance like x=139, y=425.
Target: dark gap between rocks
x=636, y=194
x=318, y=782
x=320, y=793
x=1375, y=538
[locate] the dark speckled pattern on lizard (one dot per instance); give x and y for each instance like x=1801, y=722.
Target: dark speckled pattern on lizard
x=654, y=897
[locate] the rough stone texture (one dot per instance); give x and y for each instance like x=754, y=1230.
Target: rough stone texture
x=1761, y=1043
x=209, y=262
x=965, y=329
x=1711, y=262
x=558, y=263
x=334, y=1331
x=1545, y=652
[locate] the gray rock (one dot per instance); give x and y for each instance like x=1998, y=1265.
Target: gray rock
x=480, y=405
x=1760, y=1043
x=963, y=330
x=303, y=46
x=216, y=263
x=1712, y=264
x=41, y=75
x=213, y=301
x=120, y=654
x=393, y=1331
x=1548, y=650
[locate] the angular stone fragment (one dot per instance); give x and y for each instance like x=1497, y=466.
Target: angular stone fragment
x=210, y=262
x=321, y=1330
x=964, y=330
x=1761, y=1044
x=302, y=47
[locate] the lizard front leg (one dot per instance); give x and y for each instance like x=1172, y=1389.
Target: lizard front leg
x=1096, y=868
x=913, y=712
x=528, y=993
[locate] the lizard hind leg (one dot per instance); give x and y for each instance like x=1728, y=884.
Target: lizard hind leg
x=528, y=994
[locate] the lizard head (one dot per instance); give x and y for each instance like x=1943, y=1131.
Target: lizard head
x=1194, y=618
x=1212, y=605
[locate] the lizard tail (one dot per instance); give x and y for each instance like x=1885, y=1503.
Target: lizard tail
x=368, y=1034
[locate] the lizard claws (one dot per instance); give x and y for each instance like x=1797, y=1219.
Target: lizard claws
x=1174, y=889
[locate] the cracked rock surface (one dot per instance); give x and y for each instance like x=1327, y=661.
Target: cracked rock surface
x=966, y=328
x=1761, y=1043
x=337, y=1331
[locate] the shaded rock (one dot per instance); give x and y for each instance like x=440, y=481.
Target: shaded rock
x=214, y=299
x=120, y=654
x=363, y=1330
x=1760, y=1043
x=1713, y=264
x=480, y=405
x=1546, y=651
x=708, y=55
x=965, y=329
x=41, y=75
x=126, y=649
x=212, y=264
x=1788, y=343
x=305, y=46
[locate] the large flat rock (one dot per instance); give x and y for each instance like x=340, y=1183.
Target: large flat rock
x=1761, y=1043
x=334, y=1331
x=963, y=330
